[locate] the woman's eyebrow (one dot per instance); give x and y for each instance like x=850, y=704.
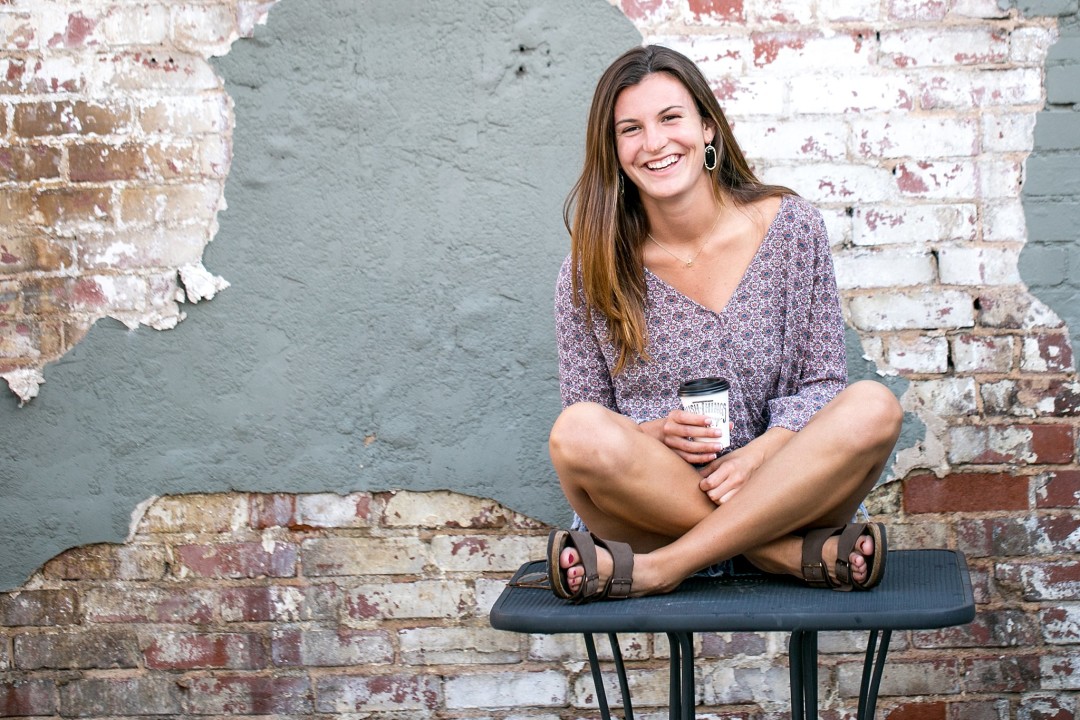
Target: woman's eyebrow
x=669, y=108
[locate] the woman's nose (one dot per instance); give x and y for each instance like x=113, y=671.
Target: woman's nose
x=654, y=138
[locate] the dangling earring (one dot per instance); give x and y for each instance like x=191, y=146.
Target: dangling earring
x=710, y=157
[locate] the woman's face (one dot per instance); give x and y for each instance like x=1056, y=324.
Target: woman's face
x=660, y=137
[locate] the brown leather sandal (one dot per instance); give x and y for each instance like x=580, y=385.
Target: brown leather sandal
x=815, y=571
x=618, y=585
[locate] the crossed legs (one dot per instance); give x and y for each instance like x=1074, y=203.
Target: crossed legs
x=630, y=487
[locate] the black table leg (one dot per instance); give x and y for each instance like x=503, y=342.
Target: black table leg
x=802, y=660
x=624, y=686
x=871, y=679
x=681, y=688
x=597, y=678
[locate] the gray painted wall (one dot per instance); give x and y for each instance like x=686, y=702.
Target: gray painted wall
x=392, y=241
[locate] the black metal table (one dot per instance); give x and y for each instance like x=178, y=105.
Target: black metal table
x=922, y=589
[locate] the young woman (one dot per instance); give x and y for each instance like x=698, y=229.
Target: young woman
x=684, y=265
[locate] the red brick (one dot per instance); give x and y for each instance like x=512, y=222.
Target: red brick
x=1061, y=488
x=26, y=164
x=965, y=492
x=1046, y=707
x=726, y=10
x=918, y=711
x=120, y=696
x=99, y=162
x=344, y=693
x=72, y=205
x=1054, y=352
x=150, y=605
x=27, y=697
x=39, y=608
x=245, y=695
x=77, y=650
x=62, y=118
x=990, y=628
x=1061, y=625
x=191, y=651
x=331, y=648
x=239, y=560
x=272, y=510
x=1042, y=580
x=1053, y=444
x=1001, y=674
x=979, y=710
x=89, y=562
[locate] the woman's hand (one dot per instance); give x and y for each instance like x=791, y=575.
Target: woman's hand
x=676, y=429
x=726, y=475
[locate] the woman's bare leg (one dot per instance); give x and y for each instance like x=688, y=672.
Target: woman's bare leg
x=627, y=486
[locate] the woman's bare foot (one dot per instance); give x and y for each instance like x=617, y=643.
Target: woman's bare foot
x=645, y=580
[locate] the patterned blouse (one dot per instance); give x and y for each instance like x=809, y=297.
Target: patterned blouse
x=779, y=341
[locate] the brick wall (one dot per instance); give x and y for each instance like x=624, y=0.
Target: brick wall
x=908, y=123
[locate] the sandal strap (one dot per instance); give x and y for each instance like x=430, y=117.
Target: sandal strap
x=844, y=548
x=622, y=568
x=586, y=550
x=814, y=570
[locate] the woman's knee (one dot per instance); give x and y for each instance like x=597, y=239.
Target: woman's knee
x=877, y=411
x=585, y=434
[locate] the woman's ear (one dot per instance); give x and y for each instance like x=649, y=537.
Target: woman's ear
x=709, y=131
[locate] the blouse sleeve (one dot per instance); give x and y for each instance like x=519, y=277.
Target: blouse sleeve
x=583, y=369
x=816, y=332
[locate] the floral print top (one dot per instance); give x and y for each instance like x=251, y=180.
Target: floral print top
x=779, y=341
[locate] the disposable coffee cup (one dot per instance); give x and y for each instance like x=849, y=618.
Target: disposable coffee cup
x=708, y=396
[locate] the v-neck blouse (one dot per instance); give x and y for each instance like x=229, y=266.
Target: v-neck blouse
x=779, y=340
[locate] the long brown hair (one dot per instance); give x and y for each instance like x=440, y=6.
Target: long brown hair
x=605, y=217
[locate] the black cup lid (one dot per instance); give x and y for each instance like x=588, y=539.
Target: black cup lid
x=704, y=386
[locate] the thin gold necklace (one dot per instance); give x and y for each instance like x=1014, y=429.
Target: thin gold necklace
x=690, y=261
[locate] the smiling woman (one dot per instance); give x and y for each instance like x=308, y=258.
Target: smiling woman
x=684, y=265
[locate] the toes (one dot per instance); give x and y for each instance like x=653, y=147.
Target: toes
x=568, y=558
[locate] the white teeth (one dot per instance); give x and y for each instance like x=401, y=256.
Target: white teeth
x=661, y=164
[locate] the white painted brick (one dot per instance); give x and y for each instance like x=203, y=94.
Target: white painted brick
x=789, y=13
x=1034, y=356
x=205, y=29
x=948, y=179
x=443, y=509
x=1003, y=395
x=899, y=136
x=873, y=350
x=916, y=10
x=948, y=397
x=417, y=599
x=983, y=353
x=978, y=265
x=948, y=89
x=919, y=354
x=968, y=443
x=460, y=646
x=524, y=689
x=786, y=140
x=861, y=268
x=790, y=53
x=1028, y=45
x=988, y=9
x=1004, y=221
x=459, y=553
x=745, y=685
x=749, y=96
x=1059, y=672
x=570, y=647
x=834, y=183
x=1000, y=177
x=837, y=225
x=897, y=224
x=930, y=310
x=933, y=46
x=717, y=56
x=1017, y=309
x=850, y=10
x=647, y=688
x=333, y=510
x=851, y=92
x=135, y=25
x=364, y=556
x=487, y=592
x=1008, y=132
